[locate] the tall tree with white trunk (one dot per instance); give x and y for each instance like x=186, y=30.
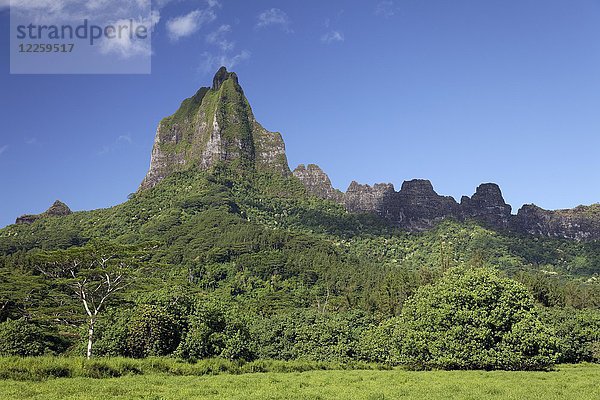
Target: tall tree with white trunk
x=93, y=274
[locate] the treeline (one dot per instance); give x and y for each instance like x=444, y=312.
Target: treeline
x=249, y=267
x=469, y=317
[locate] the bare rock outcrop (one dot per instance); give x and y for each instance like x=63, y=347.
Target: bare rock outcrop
x=317, y=182
x=57, y=209
x=487, y=206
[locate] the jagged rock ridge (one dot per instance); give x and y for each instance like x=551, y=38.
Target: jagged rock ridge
x=317, y=182
x=57, y=209
x=214, y=125
x=581, y=223
x=217, y=125
x=418, y=207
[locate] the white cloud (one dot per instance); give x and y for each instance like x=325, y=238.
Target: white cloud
x=225, y=56
x=214, y=3
x=54, y=11
x=274, y=16
x=121, y=142
x=385, y=9
x=126, y=46
x=211, y=61
x=125, y=139
x=3, y=148
x=188, y=24
x=218, y=38
x=332, y=36
x=99, y=12
x=52, y=5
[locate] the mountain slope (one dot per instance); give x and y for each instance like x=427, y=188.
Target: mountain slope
x=214, y=165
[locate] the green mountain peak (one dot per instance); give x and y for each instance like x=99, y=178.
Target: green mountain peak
x=214, y=125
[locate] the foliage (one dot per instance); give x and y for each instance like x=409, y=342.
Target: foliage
x=242, y=264
x=311, y=335
x=22, y=338
x=153, y=331
x=215, y=331
x=578, y=333
x=474, y=319
x=382, y=343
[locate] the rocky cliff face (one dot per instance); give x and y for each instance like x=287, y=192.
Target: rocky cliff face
x=57, y=209
x=581, y=223
x=317, y=182
x=364, y=198
x=214, y=125
x=487, y=206
x=418, y=207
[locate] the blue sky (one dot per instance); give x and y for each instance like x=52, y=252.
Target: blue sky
x=459, y=92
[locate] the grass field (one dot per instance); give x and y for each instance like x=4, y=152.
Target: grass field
x=578, y=382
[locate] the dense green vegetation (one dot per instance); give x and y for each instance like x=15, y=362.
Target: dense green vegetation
x=246, y=266
x=577, y=382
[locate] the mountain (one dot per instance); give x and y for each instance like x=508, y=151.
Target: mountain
x=417, y=207
x=217, y=127
x=221, y=222
x=57, y=209
x=214, y=125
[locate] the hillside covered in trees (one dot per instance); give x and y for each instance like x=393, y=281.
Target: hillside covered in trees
x=223, y=252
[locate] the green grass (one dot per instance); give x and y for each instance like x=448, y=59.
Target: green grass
x=43, y=368
x=578, y=382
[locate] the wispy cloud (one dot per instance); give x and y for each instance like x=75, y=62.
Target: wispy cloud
x=125, y=139
x=189, y=24
x=224, y=54
x=211, y=62
x=3, y=149
x=53, y=5
x=125, y=46
x=119, y=143
x=218, y=38
x=214, y=3
x=386, y=9
x=274, y=17
x=75, y=10
x=32, y=141
x=332, y=37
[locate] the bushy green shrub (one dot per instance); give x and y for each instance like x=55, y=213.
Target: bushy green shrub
x=474, y=319
x=152, y=331
x=381, y=343
x=578, y=333
x=309, y=335
x=215, y=331
x=22, y=338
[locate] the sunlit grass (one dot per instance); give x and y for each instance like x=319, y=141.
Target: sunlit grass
x=567, y=382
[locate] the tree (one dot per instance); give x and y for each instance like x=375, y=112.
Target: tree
x=19, y=292
x=578, y=333
x=474, y=319
x=93, y=274
x=215, y=330
x=153, y=331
